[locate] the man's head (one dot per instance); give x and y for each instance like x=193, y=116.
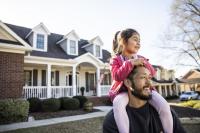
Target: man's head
x=139, y=81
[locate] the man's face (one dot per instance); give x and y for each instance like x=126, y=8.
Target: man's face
x=141, y=83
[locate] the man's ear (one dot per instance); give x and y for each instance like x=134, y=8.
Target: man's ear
x=128, y=84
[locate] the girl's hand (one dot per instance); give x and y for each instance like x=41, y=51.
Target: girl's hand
x=137, y=62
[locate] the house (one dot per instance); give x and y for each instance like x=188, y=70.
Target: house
x=165, y=82
x=190, y=81
x=37, y=63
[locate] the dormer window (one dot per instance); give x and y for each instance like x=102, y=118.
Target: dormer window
x=40, y=41
x=72, y=44
x=38, y=37
x=98, y=51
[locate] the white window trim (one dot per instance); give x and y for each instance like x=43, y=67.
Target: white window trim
x=94, y=51
x=35, y=41
x=68, y=47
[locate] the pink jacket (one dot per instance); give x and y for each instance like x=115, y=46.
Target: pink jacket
x=120, y=70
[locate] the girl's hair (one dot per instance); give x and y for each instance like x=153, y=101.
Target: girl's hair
x=121, y=38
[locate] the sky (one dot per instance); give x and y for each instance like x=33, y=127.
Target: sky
x=90, y=18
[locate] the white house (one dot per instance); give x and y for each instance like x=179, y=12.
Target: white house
x=37, y=63
x=56, y=65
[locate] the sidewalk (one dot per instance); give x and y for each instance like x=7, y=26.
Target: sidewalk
x=36, y=123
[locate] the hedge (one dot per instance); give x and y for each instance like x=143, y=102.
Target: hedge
x=50, y=105
x=35, y=104
x=71, y=104
x=13, y=110
x=82, y=100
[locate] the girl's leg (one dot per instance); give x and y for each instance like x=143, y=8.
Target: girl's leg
x=119, y=108
x=163, y=109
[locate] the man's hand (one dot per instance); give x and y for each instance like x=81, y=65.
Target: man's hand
x=137, y=62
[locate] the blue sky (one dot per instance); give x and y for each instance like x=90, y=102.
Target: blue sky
x=90, y=18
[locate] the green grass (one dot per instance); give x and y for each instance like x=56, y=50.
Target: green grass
x=93, y=125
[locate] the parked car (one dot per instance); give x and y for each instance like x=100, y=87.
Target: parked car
x=189, y=95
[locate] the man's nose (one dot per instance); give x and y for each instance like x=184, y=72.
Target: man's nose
x=149, y=82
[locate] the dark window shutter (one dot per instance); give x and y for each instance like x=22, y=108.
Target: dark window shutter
x=35, y=77
x=86, y=82
x=43, y=77
x=70, y=80
x=57, y=78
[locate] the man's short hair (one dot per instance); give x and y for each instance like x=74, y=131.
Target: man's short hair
x=133, y=72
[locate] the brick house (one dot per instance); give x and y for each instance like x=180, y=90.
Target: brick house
x=37, y=63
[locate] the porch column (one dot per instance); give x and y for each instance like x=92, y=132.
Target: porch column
x=48, y=80
x=170, y=90
x=98, y=82
x=159, y=88
x=74, y=80
x=166, y=93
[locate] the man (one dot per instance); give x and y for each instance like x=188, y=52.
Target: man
x=142, y=116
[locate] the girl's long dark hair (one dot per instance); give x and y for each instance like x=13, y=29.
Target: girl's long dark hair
x=121, y=38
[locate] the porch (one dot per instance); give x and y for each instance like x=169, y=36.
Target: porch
x=54, y=81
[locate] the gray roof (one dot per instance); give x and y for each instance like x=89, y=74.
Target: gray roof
x=54, y=50
x=162, y=81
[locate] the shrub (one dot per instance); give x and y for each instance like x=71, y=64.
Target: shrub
x=71, y=104
x=82, y=91
x=82, y=100
x=88, y=106
x=171, y=97
x=50, y=105
x=13, y=110
x=189, y=103
x=34, y=104
x=62, y=99
x=197, y=106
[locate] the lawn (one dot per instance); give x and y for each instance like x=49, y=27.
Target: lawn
x=93, y=125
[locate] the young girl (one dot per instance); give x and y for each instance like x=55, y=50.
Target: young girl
x=125, y=47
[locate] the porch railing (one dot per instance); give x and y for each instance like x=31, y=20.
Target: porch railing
x=105, y=89
x=35, y=91
x=41, y=91
x=61, y=91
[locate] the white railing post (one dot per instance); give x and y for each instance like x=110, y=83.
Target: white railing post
x=48, y=80
x=74, y=80
x=98, y=82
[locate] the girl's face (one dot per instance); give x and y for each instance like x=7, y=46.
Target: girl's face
x=133, y=44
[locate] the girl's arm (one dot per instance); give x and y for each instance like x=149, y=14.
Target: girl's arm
x=149, y=67
x=120, y=72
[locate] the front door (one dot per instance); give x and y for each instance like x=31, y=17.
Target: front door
x=90, y=84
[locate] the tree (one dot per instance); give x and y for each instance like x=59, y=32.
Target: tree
x=184, y=31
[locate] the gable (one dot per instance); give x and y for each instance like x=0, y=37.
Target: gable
x=4, y=35
x=88, y=57
x=97, y=42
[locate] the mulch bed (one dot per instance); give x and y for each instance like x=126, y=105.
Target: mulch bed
x=186, y=111
x=62, y=113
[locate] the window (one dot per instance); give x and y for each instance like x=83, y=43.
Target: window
x=28, y=78
x=106, y=79
x=98, y=51
x=72, y=46
x=40, y=41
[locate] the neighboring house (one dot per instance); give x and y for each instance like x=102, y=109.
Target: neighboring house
x=190, y=81
x=165, y=82
x=37, y=63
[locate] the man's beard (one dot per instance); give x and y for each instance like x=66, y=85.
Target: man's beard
x=137, y=93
